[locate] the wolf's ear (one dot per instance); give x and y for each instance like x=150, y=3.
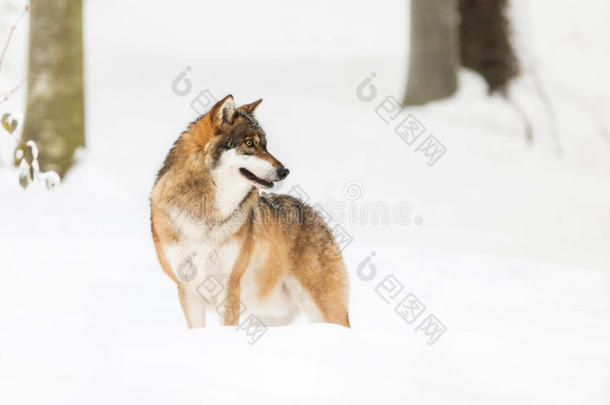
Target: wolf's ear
x=223, y=111
x=249, y=108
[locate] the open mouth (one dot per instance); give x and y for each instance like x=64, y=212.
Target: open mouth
x=253, y=178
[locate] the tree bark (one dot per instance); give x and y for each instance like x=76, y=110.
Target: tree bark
x=55, y=99
x=434, y=53
x=485, y=42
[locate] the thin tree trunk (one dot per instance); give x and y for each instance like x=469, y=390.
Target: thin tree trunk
x=55, y=101
x=434, y=53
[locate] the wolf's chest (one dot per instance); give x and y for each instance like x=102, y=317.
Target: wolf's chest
x=202, y=250
x=194, y=263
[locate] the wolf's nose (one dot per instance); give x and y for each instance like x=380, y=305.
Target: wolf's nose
x=282, y=173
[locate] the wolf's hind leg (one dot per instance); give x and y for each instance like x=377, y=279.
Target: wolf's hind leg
x=320, y=303
x=333, y=308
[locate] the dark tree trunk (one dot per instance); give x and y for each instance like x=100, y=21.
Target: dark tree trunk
x=55, y=101
x=434, y=54
x=485, y=45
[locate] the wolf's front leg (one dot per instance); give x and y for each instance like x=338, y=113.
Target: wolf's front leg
x=193, y=305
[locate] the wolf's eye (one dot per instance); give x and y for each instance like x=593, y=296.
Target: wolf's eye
x=249, y=143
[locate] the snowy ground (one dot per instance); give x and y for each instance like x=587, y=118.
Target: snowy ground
x=511, y=255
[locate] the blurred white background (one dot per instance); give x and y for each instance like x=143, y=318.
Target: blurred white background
x=512, y=255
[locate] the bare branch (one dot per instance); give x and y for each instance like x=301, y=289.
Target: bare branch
x=6, y=95
x=10, y=34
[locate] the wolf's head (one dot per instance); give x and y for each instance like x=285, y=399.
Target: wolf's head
x=238, y=149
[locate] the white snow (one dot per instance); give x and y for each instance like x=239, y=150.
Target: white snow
x=511, y=252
